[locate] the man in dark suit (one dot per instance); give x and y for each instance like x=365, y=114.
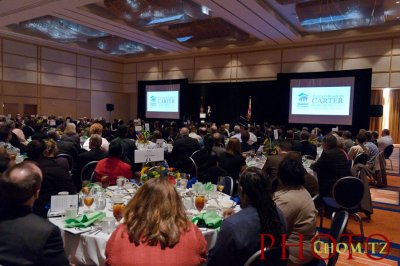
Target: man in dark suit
x=304, y=146
x=183, y=148
x=331, y=166
x=95, y=154
x=26, y=239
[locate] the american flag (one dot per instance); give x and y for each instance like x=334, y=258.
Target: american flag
x=249, y=110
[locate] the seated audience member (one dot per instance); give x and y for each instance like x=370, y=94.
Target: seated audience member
x=154, y=145
x=331, y=166
x=305, y=147
x=219, y=147
x=55, y=178
x=193, y=134
x=385, y=140
x=5, y=137
x=239, y=237
x=272, y=163
x=28, y=128
x=205, y=158
x=128, y=145
x=51, y=152
x=373, y=149
x=360, y=148
x=232, y=161
x=71, y=135
x=156, y=230
x=15, y=139
x=63, y=146
x=40, y=132
x=97, y=128
x=26, y=239
x=348, y=142
x=375, y=136
x=6, y=160
x=17, y=130
x=298, y=208
x=245, y=137
x=113, y=166
x=183, y=148
x=95, y=154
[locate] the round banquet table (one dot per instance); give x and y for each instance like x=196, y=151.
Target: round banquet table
x=88, y=248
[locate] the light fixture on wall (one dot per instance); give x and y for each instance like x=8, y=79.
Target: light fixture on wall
x=386, y=108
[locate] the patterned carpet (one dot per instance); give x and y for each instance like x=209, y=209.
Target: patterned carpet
x=385, y=219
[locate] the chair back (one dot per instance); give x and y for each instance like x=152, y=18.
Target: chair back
x=272, y=256
x=228, y=186
x=69, y=159
x=338, y=225
x=192, y=167
x=348, y=192
x=88, y=170
x=361, y=159
x=194, y=154
x=387, y=152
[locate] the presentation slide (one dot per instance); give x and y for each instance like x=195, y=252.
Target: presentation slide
x=162, y=101
x=321, y=101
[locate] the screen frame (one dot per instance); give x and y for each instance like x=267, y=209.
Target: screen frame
x=160, y=88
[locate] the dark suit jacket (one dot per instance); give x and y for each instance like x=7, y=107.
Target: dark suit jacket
x=67, y=147
x=331, y=166
x=183, y=148
x=306, y=148
x=239, y=238
x=55, y=179
x=27, y=239
x=83, y=159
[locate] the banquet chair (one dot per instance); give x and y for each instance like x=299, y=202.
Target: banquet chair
x=87, y=172
x=387, y=152
x=361, y=159
x=338, y=226
x=194, y=154
x=347, y=194
x=228, y=185
x=69, y=159
x=272, y=256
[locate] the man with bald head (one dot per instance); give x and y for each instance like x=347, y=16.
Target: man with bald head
x=26, y=239
x=183, y=148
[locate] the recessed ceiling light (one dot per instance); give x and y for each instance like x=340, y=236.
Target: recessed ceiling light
x=397, y=2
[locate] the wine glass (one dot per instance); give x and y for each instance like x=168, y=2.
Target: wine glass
x=118, y=210
x=200, y=202
x=88, y=200
x=221, y=183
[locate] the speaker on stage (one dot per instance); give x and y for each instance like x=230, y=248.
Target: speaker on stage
x=375, y=110
x=110, y=107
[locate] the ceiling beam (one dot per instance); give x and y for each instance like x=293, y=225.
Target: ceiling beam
x=115, y=28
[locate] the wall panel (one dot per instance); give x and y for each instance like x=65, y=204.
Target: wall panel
x=19, y=48
x=20, y=62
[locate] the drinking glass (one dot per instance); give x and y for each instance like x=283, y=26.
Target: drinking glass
x=118, y=210
x=200, y=202
x=88, y=200
x=121, y=181
x=100, y=201
x=221, y=183
x=105, y=181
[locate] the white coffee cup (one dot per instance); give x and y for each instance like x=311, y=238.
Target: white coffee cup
x=108, y=225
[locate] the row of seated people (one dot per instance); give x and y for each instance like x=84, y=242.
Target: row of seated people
x=157, y=208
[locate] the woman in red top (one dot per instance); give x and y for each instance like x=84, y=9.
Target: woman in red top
x=156, y=231
x=113, y=166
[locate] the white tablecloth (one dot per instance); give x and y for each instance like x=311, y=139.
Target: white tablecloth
x=89, y=248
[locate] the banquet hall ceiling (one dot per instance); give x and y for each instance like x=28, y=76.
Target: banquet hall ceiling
x=128, y=28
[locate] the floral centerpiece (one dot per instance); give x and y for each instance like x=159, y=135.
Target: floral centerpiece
x=270, y=147
x=144, y=136
x=160, y=172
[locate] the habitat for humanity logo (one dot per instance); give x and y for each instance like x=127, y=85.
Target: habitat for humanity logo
x=303, y=100
x=153, y=100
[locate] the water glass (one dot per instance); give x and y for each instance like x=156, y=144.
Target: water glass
x=100, y=201
x=108, y=225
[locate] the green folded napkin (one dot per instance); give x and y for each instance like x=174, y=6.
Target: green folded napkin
x=208, y=186
x=208, y=219
x=85, y=220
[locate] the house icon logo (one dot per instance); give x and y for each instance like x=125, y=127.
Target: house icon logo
x=153, y=99
x=303, y=98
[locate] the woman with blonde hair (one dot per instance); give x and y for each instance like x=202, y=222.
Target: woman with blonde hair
x=156, y=230
x=96, y=128
x=71, y=135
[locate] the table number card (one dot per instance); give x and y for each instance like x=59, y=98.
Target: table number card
x=149, y=155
